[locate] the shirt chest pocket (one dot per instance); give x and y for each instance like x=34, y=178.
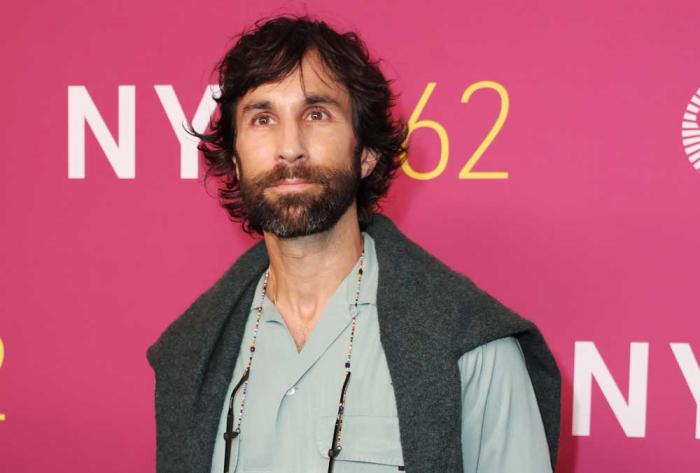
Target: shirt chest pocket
x=370, y=444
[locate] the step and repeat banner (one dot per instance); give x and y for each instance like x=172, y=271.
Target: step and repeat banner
x=555, y=160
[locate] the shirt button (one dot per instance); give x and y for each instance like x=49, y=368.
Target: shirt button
x=291, y=390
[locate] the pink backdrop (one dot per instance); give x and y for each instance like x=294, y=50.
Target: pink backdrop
x=593, y=234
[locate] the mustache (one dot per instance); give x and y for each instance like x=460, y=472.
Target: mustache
x=300, y=171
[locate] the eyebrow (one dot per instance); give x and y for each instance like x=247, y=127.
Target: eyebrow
x=308, y=100
x=318, y=98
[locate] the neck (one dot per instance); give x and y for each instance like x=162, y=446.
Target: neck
x=306, y=271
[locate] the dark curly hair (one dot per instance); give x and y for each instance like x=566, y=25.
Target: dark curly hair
x=271, y=51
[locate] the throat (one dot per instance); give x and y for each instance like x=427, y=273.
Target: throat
x=300, y=332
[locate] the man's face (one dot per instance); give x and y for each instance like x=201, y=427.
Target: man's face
x=297, y=166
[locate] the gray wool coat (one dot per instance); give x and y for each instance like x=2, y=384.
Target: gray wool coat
x=429, y=315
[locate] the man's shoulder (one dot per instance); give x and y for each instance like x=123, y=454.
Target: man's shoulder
x=210, y=308
x=451, y=299
x=413, y=259
x=475, y=315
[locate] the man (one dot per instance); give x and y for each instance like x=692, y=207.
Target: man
x=336, y=343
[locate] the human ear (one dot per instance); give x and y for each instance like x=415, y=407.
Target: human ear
x=368, y=161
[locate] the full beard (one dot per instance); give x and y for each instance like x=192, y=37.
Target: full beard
x=301, y=212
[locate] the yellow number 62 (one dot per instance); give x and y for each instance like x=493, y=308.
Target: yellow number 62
x=414, y=123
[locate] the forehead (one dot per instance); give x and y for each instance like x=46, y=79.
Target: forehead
x=312, y=78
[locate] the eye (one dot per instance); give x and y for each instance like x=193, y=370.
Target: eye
x=317, y=114
x=261, y=120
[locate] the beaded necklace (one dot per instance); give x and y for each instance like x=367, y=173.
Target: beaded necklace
x=335, y=447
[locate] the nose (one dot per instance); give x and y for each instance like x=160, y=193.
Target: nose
x=291, y=146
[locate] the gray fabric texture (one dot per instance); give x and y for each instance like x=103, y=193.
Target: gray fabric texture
x=429, y=315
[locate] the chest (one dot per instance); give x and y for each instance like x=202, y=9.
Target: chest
x=292, y=401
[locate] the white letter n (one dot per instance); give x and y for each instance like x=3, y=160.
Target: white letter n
x=81, y=109
x=588, y=364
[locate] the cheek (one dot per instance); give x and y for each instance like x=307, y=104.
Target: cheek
x=330, y=145
x=255, y=154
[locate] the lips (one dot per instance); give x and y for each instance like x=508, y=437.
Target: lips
x=291, y=182
x=295, y=180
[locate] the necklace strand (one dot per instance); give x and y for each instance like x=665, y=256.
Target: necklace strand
x=341, y=406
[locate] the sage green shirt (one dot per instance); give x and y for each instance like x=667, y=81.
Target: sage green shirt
x=292, y=397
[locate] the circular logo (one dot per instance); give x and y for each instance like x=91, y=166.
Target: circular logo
x=691, y=130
